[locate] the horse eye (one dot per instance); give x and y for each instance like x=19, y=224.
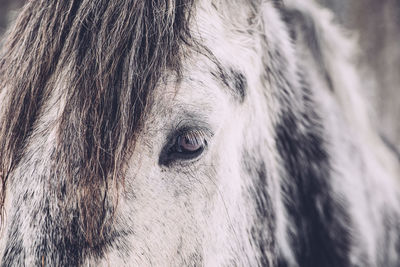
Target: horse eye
x=189, y=143
x=186, y=145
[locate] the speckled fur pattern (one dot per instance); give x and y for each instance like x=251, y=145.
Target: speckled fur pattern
x=92, y=94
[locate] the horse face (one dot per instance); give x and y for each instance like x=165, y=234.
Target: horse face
x=240, y=150
x=190, y=179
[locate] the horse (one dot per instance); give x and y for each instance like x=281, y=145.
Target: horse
x=190, y=133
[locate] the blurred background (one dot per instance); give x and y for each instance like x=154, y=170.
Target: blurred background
x=375, y=23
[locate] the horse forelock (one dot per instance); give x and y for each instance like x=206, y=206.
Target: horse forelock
x=113, y=54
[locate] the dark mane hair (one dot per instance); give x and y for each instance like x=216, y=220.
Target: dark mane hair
x=114, y=52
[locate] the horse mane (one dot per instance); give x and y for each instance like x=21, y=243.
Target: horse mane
x=113, y=54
